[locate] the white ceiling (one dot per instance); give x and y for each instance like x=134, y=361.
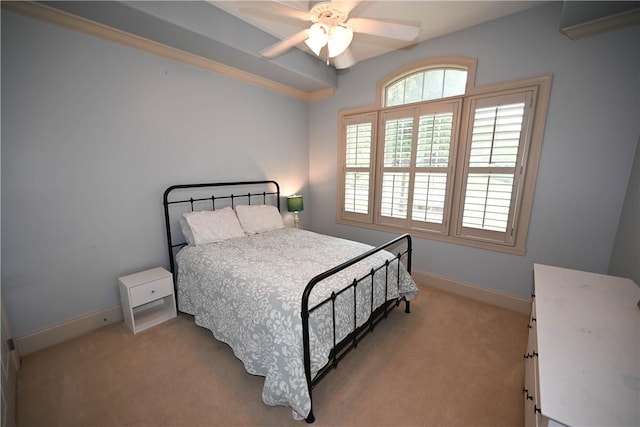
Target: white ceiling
x=435, y=18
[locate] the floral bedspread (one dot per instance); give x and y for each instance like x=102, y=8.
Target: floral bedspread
x=248, y=292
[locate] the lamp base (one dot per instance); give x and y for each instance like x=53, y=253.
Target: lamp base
x=296, y=220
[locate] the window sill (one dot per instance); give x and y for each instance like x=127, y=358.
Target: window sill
x=514, y=250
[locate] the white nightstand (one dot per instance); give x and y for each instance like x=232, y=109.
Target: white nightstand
x=147, y=298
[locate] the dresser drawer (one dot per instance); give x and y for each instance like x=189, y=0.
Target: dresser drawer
x=150, y=291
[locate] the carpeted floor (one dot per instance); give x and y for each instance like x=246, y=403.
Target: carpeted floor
x=451, y=362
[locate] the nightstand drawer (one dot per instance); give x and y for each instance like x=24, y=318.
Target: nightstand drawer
x=150, y=291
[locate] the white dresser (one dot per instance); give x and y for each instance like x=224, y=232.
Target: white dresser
x=583, y=355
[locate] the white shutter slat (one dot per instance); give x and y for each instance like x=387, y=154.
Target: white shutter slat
x=434, y=140
x=397, y=142
x=356, y=192
x=487, y=201
x=395, y=194
x=358, y=145
x=429, y=196
x=496, y=135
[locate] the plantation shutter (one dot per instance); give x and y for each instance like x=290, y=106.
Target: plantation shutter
x=434, y=166
x=498, y=130
x=357, y=160
x=398, y=128
x=416, y=166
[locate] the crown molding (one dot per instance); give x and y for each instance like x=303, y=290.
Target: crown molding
x=601, y=25
x=72, y=22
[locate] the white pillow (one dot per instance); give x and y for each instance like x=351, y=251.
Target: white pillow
x=259, y=218
x=186, y=230
x=213, y=226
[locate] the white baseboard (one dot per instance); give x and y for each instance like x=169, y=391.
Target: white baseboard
x=75, y=327
x=44, y=338
x=469, y=290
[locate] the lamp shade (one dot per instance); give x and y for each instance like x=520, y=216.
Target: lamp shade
x=294, y=203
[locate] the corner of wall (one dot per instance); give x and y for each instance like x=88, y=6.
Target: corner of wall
x=625, y=257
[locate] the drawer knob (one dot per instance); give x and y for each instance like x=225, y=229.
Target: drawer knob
x=153, y=291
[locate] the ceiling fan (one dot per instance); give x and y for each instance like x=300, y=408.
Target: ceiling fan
x=332, y=31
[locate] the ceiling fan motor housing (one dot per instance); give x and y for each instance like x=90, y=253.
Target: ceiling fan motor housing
x=327, y=14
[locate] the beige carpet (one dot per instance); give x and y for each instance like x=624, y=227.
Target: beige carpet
x=451, y=362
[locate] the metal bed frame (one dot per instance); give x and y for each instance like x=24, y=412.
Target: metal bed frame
x=341, y=348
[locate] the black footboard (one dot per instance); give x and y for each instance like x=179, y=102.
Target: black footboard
x=342, y=347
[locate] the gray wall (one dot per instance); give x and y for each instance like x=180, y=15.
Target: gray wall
x=92, y=134
x=592, y=128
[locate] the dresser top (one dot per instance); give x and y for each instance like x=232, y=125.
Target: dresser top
x=588, y=331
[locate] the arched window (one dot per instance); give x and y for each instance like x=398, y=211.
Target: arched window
x=427, y=80
x=442, y=158
x=426, y=85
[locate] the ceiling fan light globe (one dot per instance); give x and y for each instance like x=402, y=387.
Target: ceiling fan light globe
x=315, y=47
x=318, y=36
x=339, y=39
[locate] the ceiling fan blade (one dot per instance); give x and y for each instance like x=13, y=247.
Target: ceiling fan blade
x=384, y=29
x=345, y=6
x=344, y=60
x=286, y=44
x=276, y=11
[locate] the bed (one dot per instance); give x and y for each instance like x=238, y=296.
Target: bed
x=282, y=298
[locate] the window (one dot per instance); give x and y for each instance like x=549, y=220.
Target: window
x=426, y=85
x=444, y=159
x=359, y=137
x=492, y=168
x=417, y=165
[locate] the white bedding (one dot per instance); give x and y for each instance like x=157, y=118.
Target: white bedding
x=248, y=292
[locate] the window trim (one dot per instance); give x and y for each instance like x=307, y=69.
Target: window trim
x=541, y=86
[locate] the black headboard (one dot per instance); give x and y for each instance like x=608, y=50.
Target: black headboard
x=182, y=198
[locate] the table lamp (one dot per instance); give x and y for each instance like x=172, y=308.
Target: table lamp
x=295, y=205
